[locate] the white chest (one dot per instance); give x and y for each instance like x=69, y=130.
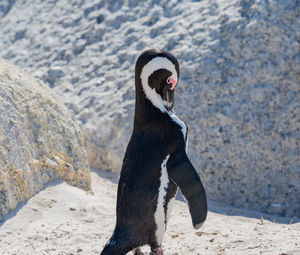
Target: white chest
x=160, y=217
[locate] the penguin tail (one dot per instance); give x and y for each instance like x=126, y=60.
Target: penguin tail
x=118, y=244
x=114, y=247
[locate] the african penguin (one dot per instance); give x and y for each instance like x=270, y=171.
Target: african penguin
x=155, y=163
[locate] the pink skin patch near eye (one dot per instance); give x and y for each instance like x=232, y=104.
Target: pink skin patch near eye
x=170, y=80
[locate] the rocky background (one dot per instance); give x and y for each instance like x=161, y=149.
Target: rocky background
x=238, y=91
x=39, y=142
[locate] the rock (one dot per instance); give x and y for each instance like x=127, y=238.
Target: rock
x=39, y=142
x=5, y=7
x=238, y=88
x=53, y=75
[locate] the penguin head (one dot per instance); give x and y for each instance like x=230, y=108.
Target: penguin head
x=157, y=72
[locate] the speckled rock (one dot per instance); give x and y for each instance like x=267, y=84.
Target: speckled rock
x=238, y=92
x=5, y=7
x=39, y=142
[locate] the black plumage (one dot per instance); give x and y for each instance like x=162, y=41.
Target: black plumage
x=155, y=136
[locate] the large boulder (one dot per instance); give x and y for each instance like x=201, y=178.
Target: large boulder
x=5, y=7
x=238, y=89
x=39, y=142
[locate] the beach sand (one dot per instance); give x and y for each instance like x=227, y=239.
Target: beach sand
x=62, y=219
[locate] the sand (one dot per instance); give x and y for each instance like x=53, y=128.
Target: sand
x=62, y=219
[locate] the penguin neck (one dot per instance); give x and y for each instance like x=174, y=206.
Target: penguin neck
x=145, y=112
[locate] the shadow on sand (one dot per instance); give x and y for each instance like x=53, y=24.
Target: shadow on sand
x=15, y=211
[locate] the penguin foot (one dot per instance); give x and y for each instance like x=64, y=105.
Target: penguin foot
x=157, y=251
x=137, y=251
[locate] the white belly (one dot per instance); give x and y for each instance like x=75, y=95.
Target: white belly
x=159, y=216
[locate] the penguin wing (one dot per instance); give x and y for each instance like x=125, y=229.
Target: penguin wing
x=182, y=172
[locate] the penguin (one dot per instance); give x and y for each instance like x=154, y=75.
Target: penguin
x=155, y=162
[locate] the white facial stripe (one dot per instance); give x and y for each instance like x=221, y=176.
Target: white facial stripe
x=152, y=66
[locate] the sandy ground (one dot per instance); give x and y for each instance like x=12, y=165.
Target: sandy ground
x=62, y=219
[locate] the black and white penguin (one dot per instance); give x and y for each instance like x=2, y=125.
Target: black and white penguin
x=155, y=163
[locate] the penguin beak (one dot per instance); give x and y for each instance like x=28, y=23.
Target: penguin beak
x=168, y=93
x=168, y=99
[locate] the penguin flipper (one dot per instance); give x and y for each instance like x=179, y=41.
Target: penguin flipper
x=182, y=172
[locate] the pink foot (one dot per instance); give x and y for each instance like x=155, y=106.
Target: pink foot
x=157, y=251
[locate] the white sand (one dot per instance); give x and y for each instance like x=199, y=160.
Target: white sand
x=65, y=220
